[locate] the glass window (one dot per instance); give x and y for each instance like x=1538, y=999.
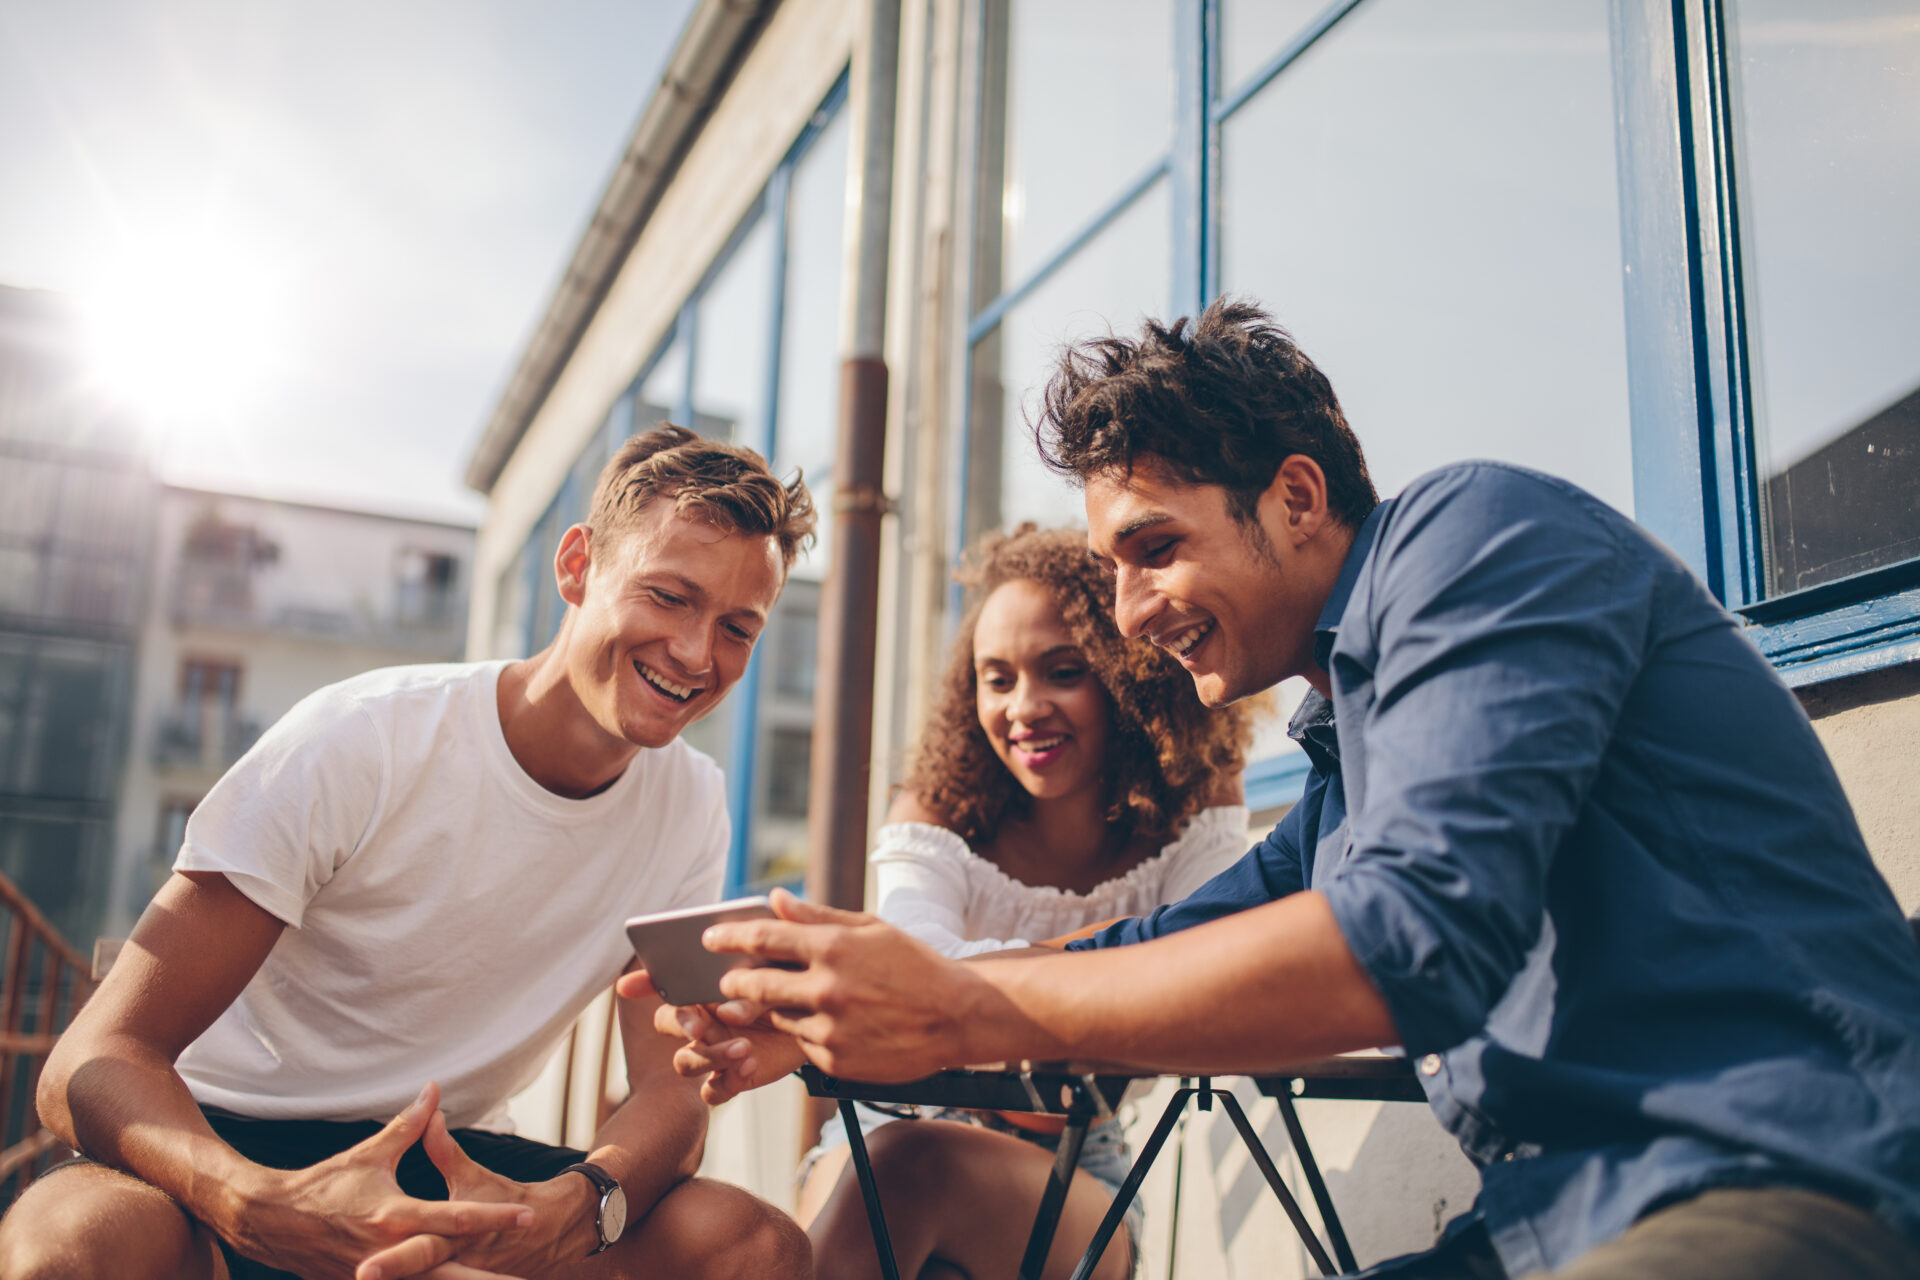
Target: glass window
x=733, y=323
x=810, y=328
x=1427, y=201
x=1089, y=104
x=1827, y=170
x=1251, y=31
x=1109, y=285
x=662, y=394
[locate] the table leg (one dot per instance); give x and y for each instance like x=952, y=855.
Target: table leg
x=1265, y=1162
x=1342, y=1251
x=863, y=1169
x=1123, y=1199
x=1066, y=1158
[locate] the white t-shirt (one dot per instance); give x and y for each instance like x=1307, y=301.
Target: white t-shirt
x=449, y=916
x=930, y=884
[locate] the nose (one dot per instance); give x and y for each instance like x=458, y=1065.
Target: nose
x=691, y=647
x=1027, y=704
x=1133, y=601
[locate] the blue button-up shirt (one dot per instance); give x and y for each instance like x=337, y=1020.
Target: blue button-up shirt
x=1587, y=846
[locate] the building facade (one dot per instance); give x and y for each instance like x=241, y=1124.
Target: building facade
x=255, y=604
x=77, y=501
x=1661, y=249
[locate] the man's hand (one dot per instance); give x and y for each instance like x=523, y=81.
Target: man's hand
x=867, y=1002
x=325, y=1220
x=734, y=1046
x=560, y=1233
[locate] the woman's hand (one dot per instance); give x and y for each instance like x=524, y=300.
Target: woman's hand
x=733, y=1045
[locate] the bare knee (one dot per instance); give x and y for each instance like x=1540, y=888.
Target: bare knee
x=715, y=1231
x=84, y=1222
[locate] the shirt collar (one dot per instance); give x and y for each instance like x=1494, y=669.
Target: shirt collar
x=1329, y=624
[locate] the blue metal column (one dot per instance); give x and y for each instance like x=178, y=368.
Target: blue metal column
x=1676, y=488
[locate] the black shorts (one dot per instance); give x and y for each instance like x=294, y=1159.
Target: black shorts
x=296, y=1144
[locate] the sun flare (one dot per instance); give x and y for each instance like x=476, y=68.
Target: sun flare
x=186, y=327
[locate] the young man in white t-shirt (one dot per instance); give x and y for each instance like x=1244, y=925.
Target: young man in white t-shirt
x=397, y=903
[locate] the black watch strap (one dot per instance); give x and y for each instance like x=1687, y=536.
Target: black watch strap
x=604, y=1183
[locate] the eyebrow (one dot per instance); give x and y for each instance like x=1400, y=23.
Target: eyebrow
x=1057, y=649
x=1139, y=525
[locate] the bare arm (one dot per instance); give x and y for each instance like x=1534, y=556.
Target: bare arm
x=1262, y=989
x=110, y=1089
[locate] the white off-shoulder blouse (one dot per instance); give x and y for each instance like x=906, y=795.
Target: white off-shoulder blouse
x=929, y=883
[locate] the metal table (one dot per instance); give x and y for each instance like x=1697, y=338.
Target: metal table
x=1083, y=1094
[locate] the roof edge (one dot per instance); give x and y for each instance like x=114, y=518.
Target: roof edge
x=716, y=34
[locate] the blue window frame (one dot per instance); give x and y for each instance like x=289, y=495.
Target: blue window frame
x=760, y=735
x=1696, y=476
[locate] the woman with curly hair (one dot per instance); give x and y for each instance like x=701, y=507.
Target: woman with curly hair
x=1066, y=777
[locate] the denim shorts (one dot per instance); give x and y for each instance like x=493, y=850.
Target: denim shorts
x=1104, y=1155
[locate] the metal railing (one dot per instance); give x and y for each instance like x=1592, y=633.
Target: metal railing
x=43, y=985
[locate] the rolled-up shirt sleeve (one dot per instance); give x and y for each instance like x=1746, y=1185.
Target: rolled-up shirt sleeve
x=1271, y=869
x=1500, y=642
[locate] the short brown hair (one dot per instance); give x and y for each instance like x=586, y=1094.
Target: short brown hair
x=1221, y=400
x=725, y=484
x=1166, y=750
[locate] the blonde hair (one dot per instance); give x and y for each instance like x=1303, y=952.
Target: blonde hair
x=729, y=486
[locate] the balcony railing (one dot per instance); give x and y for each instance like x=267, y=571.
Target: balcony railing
x=43, y=985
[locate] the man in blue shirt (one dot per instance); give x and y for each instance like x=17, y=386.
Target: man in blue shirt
x=1567, y=839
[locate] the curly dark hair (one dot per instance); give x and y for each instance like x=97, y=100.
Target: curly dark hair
x=1223, y=400
x=1165, y=748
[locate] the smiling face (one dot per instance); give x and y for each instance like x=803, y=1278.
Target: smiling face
x=664, y=619
x=1043, y=709
x=1236, y=603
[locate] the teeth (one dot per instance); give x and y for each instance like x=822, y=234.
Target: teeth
x=1180, y=646
x=658, y=681
x=1042, y=744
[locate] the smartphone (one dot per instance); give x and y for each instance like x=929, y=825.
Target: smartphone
x=668, y=944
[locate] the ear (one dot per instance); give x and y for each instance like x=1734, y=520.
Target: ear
x=571, y=562
x=1294, y=506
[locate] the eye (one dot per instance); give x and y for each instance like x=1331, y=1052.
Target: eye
x=738, y=632
x=998, y=681
x=665, y=598
x=1070, y=674
x=1158, y=553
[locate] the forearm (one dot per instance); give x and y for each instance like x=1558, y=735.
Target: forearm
x=652, y=1142
x=1262, y=989
x=120, y=1102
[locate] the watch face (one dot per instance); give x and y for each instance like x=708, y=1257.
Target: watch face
x=613, y=1215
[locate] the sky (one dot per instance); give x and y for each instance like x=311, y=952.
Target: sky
x=315, y=236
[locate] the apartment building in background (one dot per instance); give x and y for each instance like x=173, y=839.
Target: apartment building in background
x=257, y=602
x=77, y=504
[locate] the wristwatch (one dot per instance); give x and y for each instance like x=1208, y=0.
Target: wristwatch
x=611, y=1218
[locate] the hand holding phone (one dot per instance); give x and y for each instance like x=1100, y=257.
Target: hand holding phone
x=668, y=944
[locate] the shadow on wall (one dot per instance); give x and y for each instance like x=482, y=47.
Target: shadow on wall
x=1407, y=1179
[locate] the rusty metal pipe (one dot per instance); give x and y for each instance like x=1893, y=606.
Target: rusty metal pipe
x=842, y=752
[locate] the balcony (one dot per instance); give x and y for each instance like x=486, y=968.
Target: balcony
x=203, y=738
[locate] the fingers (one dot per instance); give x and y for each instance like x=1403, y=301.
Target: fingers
x=766, y=939
x=791, y=906
x=453, y=1163
x=416, y=1257
x=693, y=1059
x=634, y=984
x=458, y=1218
x=411, y=1257
x=404, y=1129
x=737, y=1013
x=773, y=988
